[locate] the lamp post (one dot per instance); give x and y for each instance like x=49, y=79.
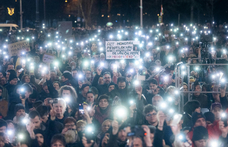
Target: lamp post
x=21, y=13
x=37, y=12
x=44, y=11
x=141, y=13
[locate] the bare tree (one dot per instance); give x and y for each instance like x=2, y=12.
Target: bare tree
x=86, y=8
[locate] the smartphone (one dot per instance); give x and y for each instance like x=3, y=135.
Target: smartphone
x=81, y=110
x=176, y=119
x=55, y=101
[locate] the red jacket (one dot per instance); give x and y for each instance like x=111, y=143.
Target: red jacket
x=213, y=132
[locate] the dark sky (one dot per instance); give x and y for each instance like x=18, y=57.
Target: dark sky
x=130, y=9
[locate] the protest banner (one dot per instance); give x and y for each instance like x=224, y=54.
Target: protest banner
x=18, y=47
x=122, y=50
x=48, y=58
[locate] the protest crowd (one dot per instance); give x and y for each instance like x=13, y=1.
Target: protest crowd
x=163, y=86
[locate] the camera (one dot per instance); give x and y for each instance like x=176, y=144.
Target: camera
x=55, y=101
x=137, y=131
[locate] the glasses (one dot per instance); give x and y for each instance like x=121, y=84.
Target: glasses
x=103, y=101
x=153, y=114
x=107, y=77
x=129, y=76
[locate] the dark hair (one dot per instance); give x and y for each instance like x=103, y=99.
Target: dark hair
x=121, y=80
x=69, y=120
x=149, y=108
x=71, y=89
x=10, y=64
x=42, y=110
x=56, y=82
x=107, y=73
x=28, y=87
x=195, y=84
x=23, y=78
x=89, y=92
x=153, y=81
x=3, y=123
x=190, y=106
x=104, y=96
x=33, y=114
x=94, y=90
x=75, y=69
x=37, y=104
x=58, y=137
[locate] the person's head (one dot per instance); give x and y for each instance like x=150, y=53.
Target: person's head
x=121, y=82
x=68, y=91
x=88, y=74
x=59, y=107
x=53, y=74
x=80, y=125
x=39, y=136
x=3, y=81
x=122, y=134
x=85, y=88
x=70, y=123
x=198, y=119
x=185, y=88
x=137, y=142
x=44, y=113
x=103, y=101
x=58, y=140
x=210, y=118
x=10, y=66
x=25, y=79
x=66, y=76
x=45, y=88
x=95, y=92
x=28, y=91
x=153, y=84
x=3, y=126
x=128, y=77
x=216, y=109
x=74, y=72
x=107, y=78
x=200, y=136
x=90, y=97
x=19, y=110
x=56, y=85
x=156, y=100
x=150, y=112
x=13, y=78
x=106, y=125
x=192, y=106
x=111, y=87
x=197, y=88
x=34, y=117
x=101, y=80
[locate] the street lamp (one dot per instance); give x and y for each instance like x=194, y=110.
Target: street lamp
x=21, y=13
x=141, y=14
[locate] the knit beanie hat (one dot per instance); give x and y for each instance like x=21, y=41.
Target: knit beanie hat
x=196, y=116
x=18, y=107
x=199, y=133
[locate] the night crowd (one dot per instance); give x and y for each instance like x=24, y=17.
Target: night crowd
x=175, y=95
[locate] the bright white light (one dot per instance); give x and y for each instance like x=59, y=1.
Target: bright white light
x=121, y=112
x=223, y=80
x=157, y=69
x=214, y=143
x=89, y=129
x=163, y=105
x=223, y=115
x=147, y=54
x=67, y=99
x=122, y=61
x=170, y=99
x=25, y=121
x=20, y=136
x=150, y=43
x=111, y=36
x=10, y=132
x=171, y=111
x=136, y=82
x=80, y=76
